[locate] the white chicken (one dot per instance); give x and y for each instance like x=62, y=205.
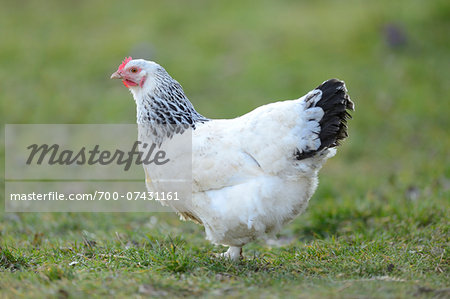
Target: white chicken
x=252, y=174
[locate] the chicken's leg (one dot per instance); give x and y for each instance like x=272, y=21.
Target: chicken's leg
x=233, y=253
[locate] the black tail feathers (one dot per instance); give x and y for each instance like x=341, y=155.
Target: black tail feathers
x=335, y=102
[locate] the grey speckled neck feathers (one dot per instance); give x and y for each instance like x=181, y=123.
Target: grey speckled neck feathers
x=163, y=109
x=166, y=103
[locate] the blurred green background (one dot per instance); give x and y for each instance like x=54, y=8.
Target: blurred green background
x=232, y=56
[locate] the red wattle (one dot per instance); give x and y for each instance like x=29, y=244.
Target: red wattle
x=128, y=83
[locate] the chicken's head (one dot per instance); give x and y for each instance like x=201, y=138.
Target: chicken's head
x=133, y=73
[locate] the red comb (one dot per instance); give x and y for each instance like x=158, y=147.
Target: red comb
x=124, y=62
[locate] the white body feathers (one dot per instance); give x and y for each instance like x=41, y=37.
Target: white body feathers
x=246, y=180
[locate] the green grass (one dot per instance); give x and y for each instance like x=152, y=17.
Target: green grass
x=378, y=225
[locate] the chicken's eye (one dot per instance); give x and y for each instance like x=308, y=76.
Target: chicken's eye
x=133, y=70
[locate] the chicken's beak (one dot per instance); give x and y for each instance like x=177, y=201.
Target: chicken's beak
x=116, y=75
